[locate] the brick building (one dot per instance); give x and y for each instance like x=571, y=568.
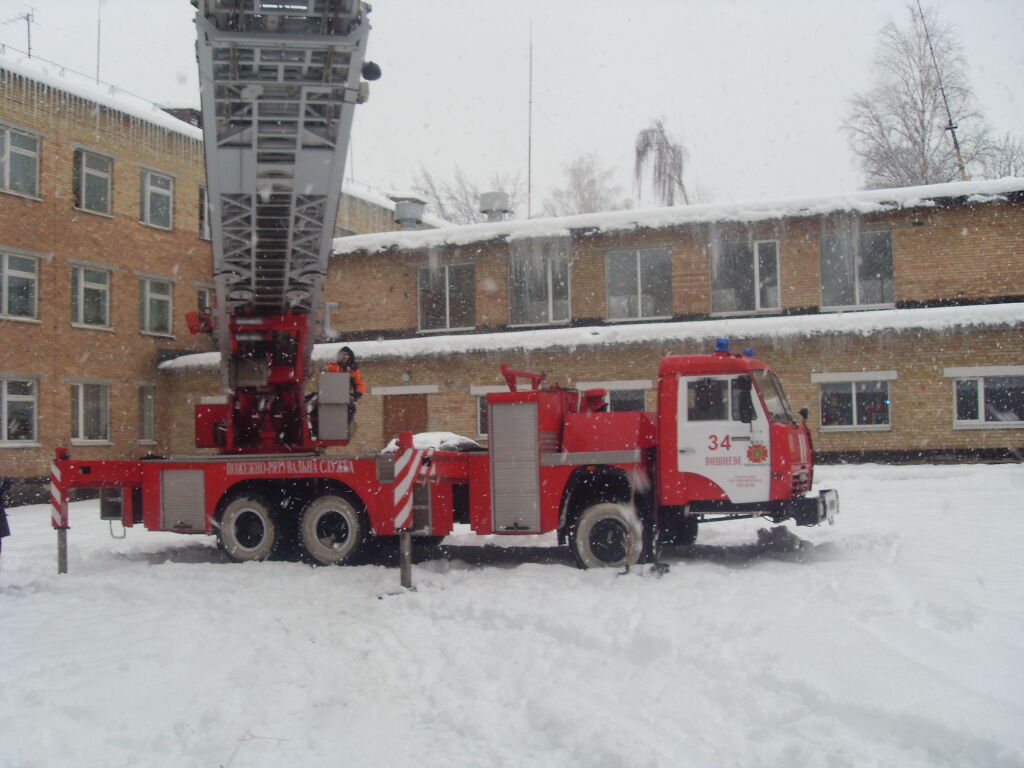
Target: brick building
x=895, y=316
x=104, y=247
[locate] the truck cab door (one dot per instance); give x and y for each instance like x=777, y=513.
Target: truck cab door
x=723, y=435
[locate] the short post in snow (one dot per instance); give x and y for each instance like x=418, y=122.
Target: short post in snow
x=59, y=515
x=405, y=557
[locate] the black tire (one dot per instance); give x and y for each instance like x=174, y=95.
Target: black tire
x=680, y=533
x=247, y=529
x=332, y=531
x=607, y=535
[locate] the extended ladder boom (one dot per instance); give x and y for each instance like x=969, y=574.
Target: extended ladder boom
x=279, y=81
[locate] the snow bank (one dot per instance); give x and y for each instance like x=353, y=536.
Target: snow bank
x=870, y=201
x=748, y=328
x=441, y=441
x=891, y=639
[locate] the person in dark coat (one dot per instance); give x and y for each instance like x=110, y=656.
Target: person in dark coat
x=5, y=529
x=346, y=363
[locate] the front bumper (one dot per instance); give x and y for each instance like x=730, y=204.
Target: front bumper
x=812, y=510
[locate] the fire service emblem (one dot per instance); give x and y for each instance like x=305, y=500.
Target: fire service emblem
x=757, y=453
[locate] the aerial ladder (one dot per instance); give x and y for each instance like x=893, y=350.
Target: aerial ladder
x=279, y=82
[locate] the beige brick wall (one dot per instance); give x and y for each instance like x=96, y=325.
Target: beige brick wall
x=51, y=348
x=973, y=252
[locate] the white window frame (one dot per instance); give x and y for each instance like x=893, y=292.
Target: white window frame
x=755, y=253
x=147, y=189
x=852, y=378
x=618, y=385
x=78, y=406
x=480, y=392
x=6, y=273
x=108, y=176
x=5, y=159
x=147, y=414
x=638, y=254
x=6, y=399
x=979, y=373
x=78, y=301
x=145, y=295
x=447, y=300
x=561, y=246
x=856, y=241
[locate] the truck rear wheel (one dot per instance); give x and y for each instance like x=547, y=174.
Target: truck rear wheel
x=332, y=531
x=247, y=529
x=606, y=535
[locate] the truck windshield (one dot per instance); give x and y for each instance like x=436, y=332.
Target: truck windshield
x=774, y=398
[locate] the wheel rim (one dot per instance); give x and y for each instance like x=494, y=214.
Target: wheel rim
x=332, y=530
x=250, y=529
x=608, y=540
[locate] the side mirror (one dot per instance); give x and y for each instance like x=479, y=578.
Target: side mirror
x=805, y=412
x=744, y=400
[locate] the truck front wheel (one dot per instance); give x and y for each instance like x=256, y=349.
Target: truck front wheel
x=332, y=530
x=247, y=529
x=606, y=535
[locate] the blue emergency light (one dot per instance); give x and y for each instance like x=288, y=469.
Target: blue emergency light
x=748, y=352
x=722, y=345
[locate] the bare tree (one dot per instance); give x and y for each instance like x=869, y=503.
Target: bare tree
x=1005, y=158
x=666, y=160
x=900, y=130
x=458, y=199
x=589, y=188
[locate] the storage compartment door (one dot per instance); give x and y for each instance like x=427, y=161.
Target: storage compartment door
x=515, y=467
x=183, y=500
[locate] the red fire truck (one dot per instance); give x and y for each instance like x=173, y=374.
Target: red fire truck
x=723, y=444
x=280, y=82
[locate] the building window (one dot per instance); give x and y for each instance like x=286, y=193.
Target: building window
x=18, y=410
x=19, y=162
x=19, y=285
x=482, y=424
x=156, y=199
x=447, y=297
x=90, y=296
x=856, y=269
x=154, y=305
x=856, y=400
x=204, y=214
x=639, y=284
x=626, y=400
x=92, y=181
x=90, y=412
x=990, y=401
x=745, y=276
x=147, y=433
x=539, y=281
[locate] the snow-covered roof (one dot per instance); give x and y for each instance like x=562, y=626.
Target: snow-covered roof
x=368, y=194
x=868, y=201
x=84, y=87
x=790, y=326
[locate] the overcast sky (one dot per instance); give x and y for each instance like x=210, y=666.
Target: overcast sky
x=754, y=89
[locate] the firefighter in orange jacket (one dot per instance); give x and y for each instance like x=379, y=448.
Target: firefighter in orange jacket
x=346, y=363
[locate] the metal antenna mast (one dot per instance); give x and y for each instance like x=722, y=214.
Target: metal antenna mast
x=29, y=16
x=529, y=135
x=950, y=126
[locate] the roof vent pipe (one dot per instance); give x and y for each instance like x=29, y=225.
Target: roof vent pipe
x=495, y=205
x=408, y=212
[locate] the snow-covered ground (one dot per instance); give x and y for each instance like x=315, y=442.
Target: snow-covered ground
x=895, y=638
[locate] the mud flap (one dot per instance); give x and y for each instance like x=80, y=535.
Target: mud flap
x=818, y=509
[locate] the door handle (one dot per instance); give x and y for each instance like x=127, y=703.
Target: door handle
x=687, y=450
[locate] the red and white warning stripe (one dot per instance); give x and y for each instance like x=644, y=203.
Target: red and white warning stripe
x=409, y=465
x=58, y=499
